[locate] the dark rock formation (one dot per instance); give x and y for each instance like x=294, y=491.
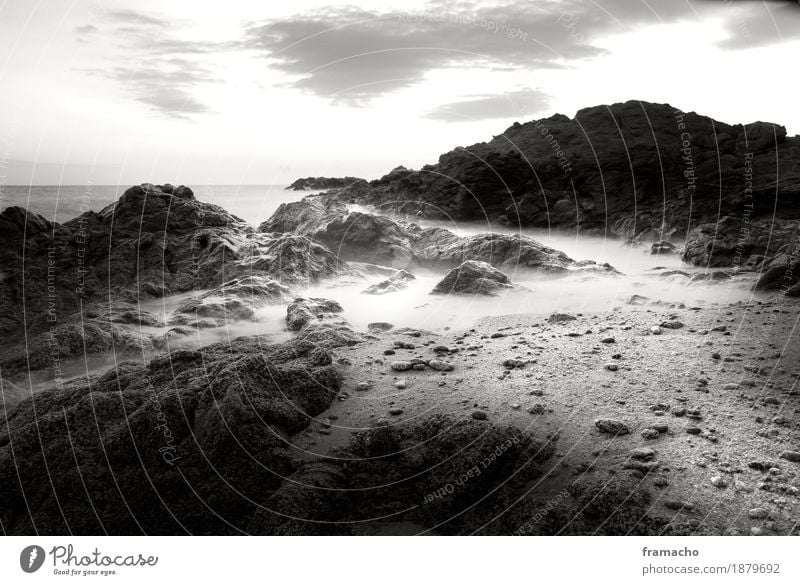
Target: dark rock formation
x=473, y=278
x=663, y=247
x=154, y=241
x=324, y=183
x=398, y=281
x=411, y=475
x=237, y=299
x=193, y=442
x=637, y=170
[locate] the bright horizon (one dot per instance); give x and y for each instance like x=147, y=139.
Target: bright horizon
x=181, y=92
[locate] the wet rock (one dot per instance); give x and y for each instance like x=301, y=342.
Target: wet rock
x=473, y=278
x=398, y=281
x=303, y=311
x=236, y=299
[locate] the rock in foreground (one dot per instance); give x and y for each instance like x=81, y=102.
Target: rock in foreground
x=473, y=278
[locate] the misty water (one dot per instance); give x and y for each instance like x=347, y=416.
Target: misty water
x=415, y=307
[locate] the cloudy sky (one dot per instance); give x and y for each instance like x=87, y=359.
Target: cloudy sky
x=262, y=92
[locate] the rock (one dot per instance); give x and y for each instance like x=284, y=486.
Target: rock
x=694, y=430
x=607, y=340
x=479, y=415
x=612, y=367
x=560, y=318
x=661, y=428
x=719, y=482
x=400, y=384
x=440, y=366
x=536, y=409
x=398, y=281
x=671, y=325
x=395, y=411
x=474, y=278
x=402, y=366
x=324, y=183
x=236, y=299
x=678, y=505
x=303, y=311
x=643, y=454
x=663, y=247
x=514, y=363
x=758, y=514
x=793, y=456
x=192, y=419
x=379, y=326
x=655, y=330
x=650, y=434
x=611, y=426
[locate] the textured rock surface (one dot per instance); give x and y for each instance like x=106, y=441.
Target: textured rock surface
x=398, y=281
x=320, y=183
x=191, y=442
x=473, y=278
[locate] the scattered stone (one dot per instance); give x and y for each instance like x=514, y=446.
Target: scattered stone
x=694, y=430
x=402, y=366
x=758, y=514
x=396, y=411
x=608, y=340
x=611, y=367
x=650, y=434
x=479, y=415
x=719, y=482
x=400, y=384
x=656, y=330
x=643, y=454
x=440, y=366
x=536, y=409
x=611, y=426
x=671, y=325
x=363, y=386
x=660, y=427
x=514, y=363
x=793, y=456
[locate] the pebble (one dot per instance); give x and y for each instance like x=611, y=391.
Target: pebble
x=650, y=434
x=479, y=415
x=401, y=366
x=440, y=366
x=611, y=426
x=694, y=430
x=396, y=411
x=792, y=456
x=718, y=481
x=758, y=514
x=516, y=406
x=400, y=384
x=536, y=409
x=608, y=340
x=660, y=427
x=655, y=330
x=643, y=453
x=363, y=386
x=612, y=367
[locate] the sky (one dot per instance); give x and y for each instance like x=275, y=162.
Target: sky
x=242, y=92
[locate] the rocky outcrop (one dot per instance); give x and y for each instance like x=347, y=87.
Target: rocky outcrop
x=192, y=442
x=473, y=278
x=398, y=281
x=154, y=241
x=637, y=170
x=407, y=475
x=364, y=237
x=237, y=299
x=324, y=183
x=302, y=311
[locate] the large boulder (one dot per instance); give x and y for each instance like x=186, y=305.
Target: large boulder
x=190, y=443
x=473, y=278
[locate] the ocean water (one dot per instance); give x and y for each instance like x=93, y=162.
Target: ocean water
x=253, y=203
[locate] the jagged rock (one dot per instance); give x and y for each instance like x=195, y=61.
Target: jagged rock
x=663, y=247
x=191, y=442
x=237, y=299
x=302, y=311
x=473, y=278
x=398, y=281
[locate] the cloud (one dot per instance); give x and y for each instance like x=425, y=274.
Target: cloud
x=154, y=67
x=758, y=23
x=513, y=104
x=352, y=55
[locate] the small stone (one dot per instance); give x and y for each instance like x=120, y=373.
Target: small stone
x=400, y=384
x=719, y=482
x=388, y=352
x=715, y=356
x=643, y=453
x=792, y=456
x=612, y=367
x=755, y=531
x=418, y=367
x=516, y=406
x=655, y=330
x=611, y=426
x=513, y=363
x=440, y=366
x=401, y=366
x=650, y=434
x=678, y=505
x=608, y=340
x=694, y=430
x=396, y=411
x=660, y=427
x=479, y=415
x=536, y=409
x=363, y=386
x=730, y=386
x=758, y=514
